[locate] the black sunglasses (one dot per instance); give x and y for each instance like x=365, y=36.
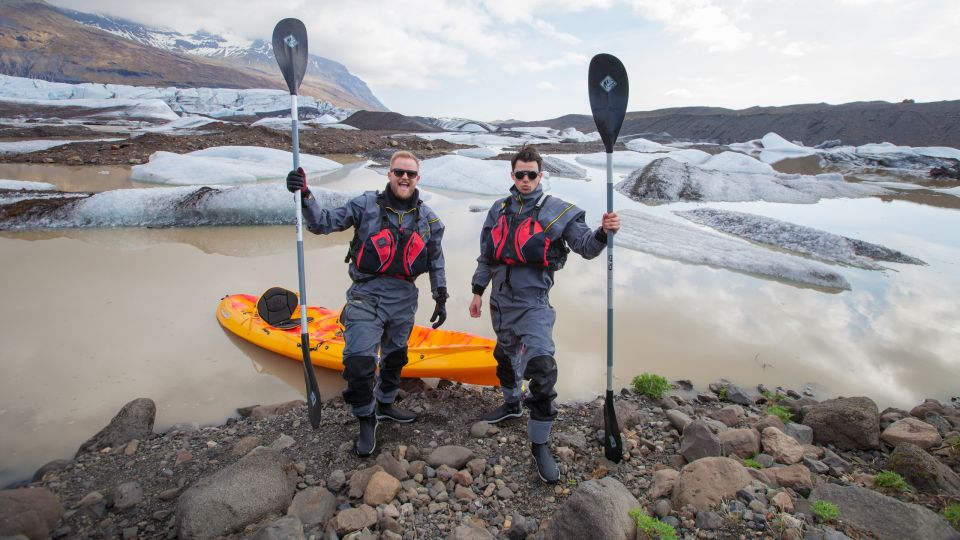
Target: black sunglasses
x=532, y=175
x=400, y=172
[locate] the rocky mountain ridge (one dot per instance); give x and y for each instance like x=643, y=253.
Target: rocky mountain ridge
x=906, y=123
x=39, y=41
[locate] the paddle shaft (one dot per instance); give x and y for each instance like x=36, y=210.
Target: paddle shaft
x=610, y=276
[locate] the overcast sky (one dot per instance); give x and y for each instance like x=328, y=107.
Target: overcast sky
x=527, y=59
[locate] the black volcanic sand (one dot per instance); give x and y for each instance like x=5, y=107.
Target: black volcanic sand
x=336, y=143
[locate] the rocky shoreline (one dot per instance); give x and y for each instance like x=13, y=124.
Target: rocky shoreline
x=711, y=464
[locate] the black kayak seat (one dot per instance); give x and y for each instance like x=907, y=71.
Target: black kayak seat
x=276, y=306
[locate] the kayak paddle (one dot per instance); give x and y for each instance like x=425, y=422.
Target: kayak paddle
x=609, y=88
x=290, y=49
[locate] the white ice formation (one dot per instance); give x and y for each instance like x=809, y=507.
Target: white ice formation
x=461, y=173
x=185, y=206
x=807, y=241
x=162, y=102
x=685, y=243
x=666, y=180
x=225, y=165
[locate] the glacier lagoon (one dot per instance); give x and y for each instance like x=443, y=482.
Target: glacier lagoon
x=97, y=317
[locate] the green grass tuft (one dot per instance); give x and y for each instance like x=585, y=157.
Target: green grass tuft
x=952, y=515
x=781, y=412
x=890, y=480
x=650, y=385
x=723, y=393
x=955, y=444
x=752, y=463
x=825, y=511
x=653, y=526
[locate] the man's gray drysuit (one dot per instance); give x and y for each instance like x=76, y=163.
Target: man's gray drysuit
x=380, y=309
x=520, y=298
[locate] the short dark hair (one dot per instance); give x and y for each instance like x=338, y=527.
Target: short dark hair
x=528, y=154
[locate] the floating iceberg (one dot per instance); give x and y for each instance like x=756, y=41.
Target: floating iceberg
x=225, y=165
x=21, y=184
x=460, y=173
x=104, y=109
x=666, y=180
x=644, y=145
x=187, y=206
x=480, y=152
x=672, y=240
x=25, y=147
x=558, y=167
x=736, y=163
x=772, y=148
x=802, y=240
x=622, y=159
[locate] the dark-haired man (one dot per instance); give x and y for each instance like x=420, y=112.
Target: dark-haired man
x=396, y=238
x=523, y=243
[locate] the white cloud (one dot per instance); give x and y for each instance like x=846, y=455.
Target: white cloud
x=679, y=92
x=548, y=30
x=797, y=48
x=697, y=21
x=546, y=86
x=794, y=80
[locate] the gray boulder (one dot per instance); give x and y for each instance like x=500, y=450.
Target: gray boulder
x=883, y=516
x=260, y=483
x=923, y=471
x=313, y=505
x=285, y=528
x=451, y=456
x=597, y=509
x=464, y=532
x=707, y=482
x=849, y=423
x=738, y=395
x=31, y=512
x=628, y=415
x=134, y=421
x=699, y=442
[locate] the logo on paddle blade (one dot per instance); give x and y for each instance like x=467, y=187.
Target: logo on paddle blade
x=292, y=42
x=607, y=83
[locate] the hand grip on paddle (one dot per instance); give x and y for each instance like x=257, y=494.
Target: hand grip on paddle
x=297, y=179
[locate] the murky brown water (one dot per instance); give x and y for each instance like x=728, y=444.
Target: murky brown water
x=93, y=319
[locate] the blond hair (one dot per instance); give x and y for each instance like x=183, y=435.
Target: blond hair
x=403, y=154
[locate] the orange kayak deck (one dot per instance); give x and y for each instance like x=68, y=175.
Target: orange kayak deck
x=432, y=353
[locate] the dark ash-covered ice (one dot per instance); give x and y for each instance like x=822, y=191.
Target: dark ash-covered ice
x=806, y=241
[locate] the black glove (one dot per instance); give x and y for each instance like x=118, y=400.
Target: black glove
x=440, y=312
x=297, y=180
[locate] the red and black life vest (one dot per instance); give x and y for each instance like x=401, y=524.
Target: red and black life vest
x=391, y=250
x=523, y=241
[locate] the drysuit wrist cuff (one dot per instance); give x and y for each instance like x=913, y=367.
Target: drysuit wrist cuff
x=440, y=296
x=478, y=289
x=601, y=235
x=304, y=197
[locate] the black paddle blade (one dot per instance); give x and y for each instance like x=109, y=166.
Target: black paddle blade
x=290, y=49
x=612, y=440
x=609, y=89
x=313, y=389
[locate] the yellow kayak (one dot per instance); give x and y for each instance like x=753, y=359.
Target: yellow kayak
x=444, y=354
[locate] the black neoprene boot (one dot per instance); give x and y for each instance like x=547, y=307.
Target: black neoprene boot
x=503, y=412
x=390, y=411
x=546, y=465
x=367, y=437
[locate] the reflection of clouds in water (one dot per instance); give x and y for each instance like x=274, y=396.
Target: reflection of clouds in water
x=701, y=323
